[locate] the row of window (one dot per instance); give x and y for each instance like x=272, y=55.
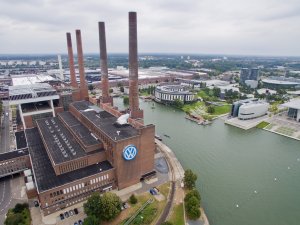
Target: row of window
x=172, y=97
x=76, y=199
x=79, y=186
x=73, y=166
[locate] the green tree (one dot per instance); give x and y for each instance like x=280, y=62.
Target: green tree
x=111, y=90
x=110, y=206
x=192, y=207
x=178, y=103
x=14, y=219
x=126, y=100
x=210, y=109
x=193, y=193
x=93, y=205
x=122, y=89
x=20, y=207
x=91, y=220
x=216, y=92
x=133, y=199
x=189, y=179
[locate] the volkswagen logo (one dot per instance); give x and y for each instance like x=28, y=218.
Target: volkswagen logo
x=130, y=152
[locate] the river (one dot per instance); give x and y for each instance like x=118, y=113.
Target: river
x=244, y=177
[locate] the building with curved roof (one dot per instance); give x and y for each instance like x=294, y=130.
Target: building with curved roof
x=168, y=93
x=281, y=82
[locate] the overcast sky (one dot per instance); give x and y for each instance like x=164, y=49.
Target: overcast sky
x=248, y=27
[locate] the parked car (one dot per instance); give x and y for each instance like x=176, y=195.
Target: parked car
x=153, y=192
x=36, y=203
x=67, y=214
x=75, y=223
x=76, y=211
x=80, y=222
x=125, y=205
x=71, y=212
x=156, y=189
x=61, y=216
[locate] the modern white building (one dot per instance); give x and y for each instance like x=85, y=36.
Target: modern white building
x=293, y=109
x=251, y=83
x=249, y=109
x=168, y=93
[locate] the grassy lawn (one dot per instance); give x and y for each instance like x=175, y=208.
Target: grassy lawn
x=193, y=106
x=177, y=216
x=164, y=189
x=220, y=110
x=151, y=213
x=200, y=108
x=262, y=125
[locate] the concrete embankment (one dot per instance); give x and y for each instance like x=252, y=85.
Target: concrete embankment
x=177, y=175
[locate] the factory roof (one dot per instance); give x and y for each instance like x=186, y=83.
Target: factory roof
x=13, y=154
x=60, y=143
x=79, y=129
x=44, y=173
x=30, y=79
x=31, y=91
x=105, y=121
x=20, y=139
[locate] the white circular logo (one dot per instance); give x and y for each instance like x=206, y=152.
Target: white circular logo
x=129, y=152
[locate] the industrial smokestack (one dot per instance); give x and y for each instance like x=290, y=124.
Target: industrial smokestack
x=71, y=62
x=103, y=64
x=61, y=72
x=83, y=87
x=135, y=111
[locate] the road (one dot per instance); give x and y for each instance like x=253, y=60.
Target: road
x=5, y=197
x=5, y=138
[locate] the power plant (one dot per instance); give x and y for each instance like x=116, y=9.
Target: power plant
x=75, y=147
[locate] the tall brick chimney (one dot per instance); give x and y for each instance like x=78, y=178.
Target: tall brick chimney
x=135, y=111
x=83, y=86
x=71, y=62
x=105, y=98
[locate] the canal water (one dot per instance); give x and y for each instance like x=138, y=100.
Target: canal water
x=244, y=177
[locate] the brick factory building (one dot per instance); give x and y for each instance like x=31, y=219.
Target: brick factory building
x=77, y=148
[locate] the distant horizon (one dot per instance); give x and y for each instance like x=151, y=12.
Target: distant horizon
x=156, y=53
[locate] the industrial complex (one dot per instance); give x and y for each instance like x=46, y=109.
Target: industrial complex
x=72, y=147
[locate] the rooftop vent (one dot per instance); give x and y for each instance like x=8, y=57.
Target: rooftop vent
x=122, y=120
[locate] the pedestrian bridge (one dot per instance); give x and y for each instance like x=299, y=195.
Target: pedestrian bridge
x=14, y=162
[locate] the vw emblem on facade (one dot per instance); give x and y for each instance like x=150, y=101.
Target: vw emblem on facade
x=129, y=152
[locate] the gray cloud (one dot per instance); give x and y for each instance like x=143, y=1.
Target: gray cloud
x=268, y=27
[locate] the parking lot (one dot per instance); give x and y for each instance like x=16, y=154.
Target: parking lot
x=69, y=216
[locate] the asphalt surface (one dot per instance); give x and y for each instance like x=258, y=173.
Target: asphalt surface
x=5, y=139
x=5, y=197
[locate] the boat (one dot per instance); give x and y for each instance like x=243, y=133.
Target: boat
x=153, y=107
x=158, y=137
x=167, y=136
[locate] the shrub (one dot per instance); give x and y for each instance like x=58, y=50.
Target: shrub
x=133, y=199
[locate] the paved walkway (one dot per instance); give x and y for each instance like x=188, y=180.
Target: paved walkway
x=176, y=175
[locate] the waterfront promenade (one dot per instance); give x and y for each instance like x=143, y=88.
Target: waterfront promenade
x=177, y=193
